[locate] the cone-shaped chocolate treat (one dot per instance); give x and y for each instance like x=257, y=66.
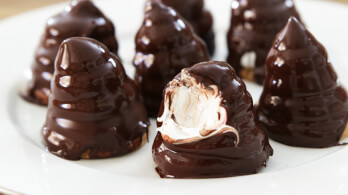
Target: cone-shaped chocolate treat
x=254, y=25
x=94, y=110
x=303, y=103
x=206, y=126
x=165, y=44
x=200, y=19
x=80, y=19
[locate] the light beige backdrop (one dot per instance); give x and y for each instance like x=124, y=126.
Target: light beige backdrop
x=12, y=7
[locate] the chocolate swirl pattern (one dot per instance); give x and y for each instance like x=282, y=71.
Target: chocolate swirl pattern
x=95, y=110
x=165, y=44
x=200, y=19
x=254, y=25
x=239, y=150
x=303, y=102
x=80, y=19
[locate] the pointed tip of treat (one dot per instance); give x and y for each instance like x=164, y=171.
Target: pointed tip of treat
x=79, y=50
x=86, y=7
x=82, y=3
x=294, y=35
x=294, y=23
x=295, y=28
x=158, y=7
x=159, y=14
x=151, y=5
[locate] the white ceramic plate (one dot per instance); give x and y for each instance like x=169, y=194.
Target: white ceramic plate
x=26, y=167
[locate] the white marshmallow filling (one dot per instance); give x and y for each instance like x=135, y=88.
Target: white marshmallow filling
x=192, y=112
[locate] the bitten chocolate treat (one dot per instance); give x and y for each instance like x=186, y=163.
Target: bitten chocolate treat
x=165, y=44
x=303, y=103
x=94, y=110
x=206, y=126
x=80, y=19
x=200, y=19
x=254, y=25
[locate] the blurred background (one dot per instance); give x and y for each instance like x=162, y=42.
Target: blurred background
x=12, y=7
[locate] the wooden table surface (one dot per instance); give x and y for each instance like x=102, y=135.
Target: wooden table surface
x=12, y=7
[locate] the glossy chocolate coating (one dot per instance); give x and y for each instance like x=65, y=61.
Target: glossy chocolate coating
x=254, y=25
x=303, y=103
x=94, y=110
x=217, y=156
x=200, y=19
x=165, y=44
x=80, y=19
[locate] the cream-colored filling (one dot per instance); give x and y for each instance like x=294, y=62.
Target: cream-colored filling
x=248, y=59
x=192, y=111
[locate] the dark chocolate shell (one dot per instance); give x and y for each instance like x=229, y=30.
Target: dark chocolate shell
x=165, y=44
x=254, y=25
x=200, y=19
x=80, y=19
x=94, y=110
x=303, y=102
x=233, y=144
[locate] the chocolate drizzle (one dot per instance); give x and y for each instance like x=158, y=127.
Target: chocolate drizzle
x=95, y=110
x=165, y=44
x=303, y=103
x=254, y=25
x=217, y=156
x=200, y=19
x=80, y=19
